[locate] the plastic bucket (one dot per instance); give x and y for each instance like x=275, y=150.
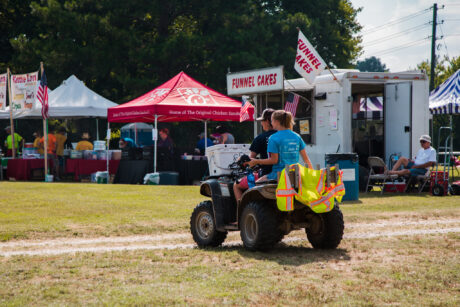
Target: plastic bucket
x=49, y=178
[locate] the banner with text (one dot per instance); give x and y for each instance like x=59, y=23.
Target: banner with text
x=255, y=81
x=23, y=91
x=3, y=78
x=308, y=63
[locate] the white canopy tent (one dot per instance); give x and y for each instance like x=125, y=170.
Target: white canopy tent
x=72, y=99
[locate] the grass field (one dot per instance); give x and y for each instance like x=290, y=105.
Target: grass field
x=407, y=270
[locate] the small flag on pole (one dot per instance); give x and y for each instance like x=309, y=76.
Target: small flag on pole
x=244, y=111
x=42, y=95
x=292, y=101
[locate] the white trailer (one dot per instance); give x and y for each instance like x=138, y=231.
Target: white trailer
x=331, y=116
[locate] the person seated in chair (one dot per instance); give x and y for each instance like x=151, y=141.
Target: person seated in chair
x=425, y=158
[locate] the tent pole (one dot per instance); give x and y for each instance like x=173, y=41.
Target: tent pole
x=135, y=133
x=13, y=148
x=156, y=137
x=256, y=102
x=108, y=145
x=97, y=128
x=205, y=136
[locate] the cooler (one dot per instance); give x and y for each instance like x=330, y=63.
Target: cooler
x=222, y=155
x=348, y=163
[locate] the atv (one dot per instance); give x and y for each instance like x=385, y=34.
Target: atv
x=256, y=216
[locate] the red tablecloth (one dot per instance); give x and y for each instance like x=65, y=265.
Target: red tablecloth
x=87, y=167
x=20, y=168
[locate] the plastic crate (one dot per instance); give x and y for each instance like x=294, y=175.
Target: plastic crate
x=222, y=155
x=441, y=178
x=396, y=187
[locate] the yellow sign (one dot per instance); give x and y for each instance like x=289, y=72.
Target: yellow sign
x=304, y=126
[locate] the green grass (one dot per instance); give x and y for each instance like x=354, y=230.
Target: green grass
x=44, y=210
x=388, y=271
x=405, y=270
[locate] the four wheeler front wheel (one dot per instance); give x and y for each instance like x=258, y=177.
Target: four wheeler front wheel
x=203, y=226
x=326, y=230
x=259, y=226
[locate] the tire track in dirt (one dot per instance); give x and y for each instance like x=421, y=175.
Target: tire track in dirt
x=166, y=241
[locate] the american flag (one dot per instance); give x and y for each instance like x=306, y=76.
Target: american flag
x=292, y=101
x=244, y=111
x=42, y=95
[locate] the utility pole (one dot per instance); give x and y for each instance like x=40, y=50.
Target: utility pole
x=433, y=46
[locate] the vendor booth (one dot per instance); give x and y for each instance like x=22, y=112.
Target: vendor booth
x=180, y=99
x=71, y=100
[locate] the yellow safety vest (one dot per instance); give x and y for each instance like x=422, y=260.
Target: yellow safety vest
x=313, y=191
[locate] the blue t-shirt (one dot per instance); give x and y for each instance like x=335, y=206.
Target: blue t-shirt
x=287, y=144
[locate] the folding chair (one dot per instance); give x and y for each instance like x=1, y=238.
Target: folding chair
x=420, y=180
x=377, y=176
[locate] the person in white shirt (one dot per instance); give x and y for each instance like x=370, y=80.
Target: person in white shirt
x=425, y=158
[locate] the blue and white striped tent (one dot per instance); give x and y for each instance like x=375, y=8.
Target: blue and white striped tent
x=445, y=99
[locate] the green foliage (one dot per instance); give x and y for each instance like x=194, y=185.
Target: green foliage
x=372, y=64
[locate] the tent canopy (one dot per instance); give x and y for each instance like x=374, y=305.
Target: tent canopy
x=445, y=99
x=180, y=99
x=72, y=99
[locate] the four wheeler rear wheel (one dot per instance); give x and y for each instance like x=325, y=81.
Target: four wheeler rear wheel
x=326, y=230
x=203, y=226
x=259, y=226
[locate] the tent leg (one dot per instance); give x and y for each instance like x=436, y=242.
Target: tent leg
x=155, y=160
x=97, y=128
x=205, y=136
x=255, y=114
x=108, y=145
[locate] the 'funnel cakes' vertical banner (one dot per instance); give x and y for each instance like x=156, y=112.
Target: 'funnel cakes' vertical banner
x=3, y=79
x=308, y=63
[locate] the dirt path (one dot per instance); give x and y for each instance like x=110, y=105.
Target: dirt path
x=385, y=228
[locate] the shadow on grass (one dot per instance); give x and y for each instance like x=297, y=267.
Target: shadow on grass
x=285, y=254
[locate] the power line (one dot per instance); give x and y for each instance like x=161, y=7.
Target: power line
x=394, y=35
x=396, y=21
x=397, y=48
x=443, y=39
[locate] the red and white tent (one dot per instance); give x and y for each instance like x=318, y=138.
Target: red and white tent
x=180, y=99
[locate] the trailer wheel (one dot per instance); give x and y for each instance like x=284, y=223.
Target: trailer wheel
x=438, y=190
x=203, y=226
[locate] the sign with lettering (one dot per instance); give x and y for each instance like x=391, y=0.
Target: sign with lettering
x=3, y=78
x=23, y=91
x=255, y=81
x=308, y=63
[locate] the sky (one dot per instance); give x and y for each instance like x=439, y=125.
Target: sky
x=399, y=31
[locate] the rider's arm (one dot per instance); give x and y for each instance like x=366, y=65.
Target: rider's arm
x=252, y=155
x=272, y=159
x=305, y=158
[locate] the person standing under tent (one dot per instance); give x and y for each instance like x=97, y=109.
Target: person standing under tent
x=38, y=136
x=165, y=142
x=84, y=144
x=200, y=145
x=225, y=137
x=61, y=138
x=18, y=142
x=284, y=147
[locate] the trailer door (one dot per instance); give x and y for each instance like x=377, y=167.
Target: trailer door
x=397, y=119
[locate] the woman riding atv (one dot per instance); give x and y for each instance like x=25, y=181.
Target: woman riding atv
x=283, y=147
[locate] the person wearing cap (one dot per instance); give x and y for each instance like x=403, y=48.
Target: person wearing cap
x=258, y=147
x=18, y=142
x=126, y=143
x=425, y=158
x=84, y=144
x=224, y=137
x=201, y=142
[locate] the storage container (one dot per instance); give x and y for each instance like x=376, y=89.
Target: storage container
x=349, y=164
x=102, y=154
x=99, y=145
x=76, y=154
x=222, y=155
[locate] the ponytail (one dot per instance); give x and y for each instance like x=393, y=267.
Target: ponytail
x=284, y=118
